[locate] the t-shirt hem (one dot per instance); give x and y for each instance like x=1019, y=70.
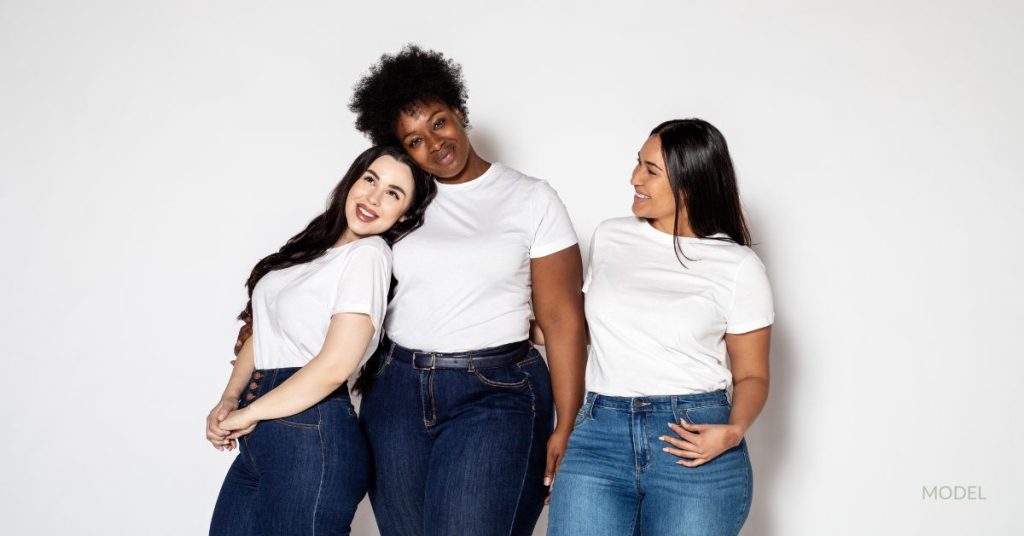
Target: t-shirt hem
x=747, y=327
x=539, y=252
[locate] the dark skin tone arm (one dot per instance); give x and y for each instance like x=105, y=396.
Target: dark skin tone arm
x=558, y=307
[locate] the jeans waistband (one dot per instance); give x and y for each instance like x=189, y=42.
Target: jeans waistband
x=657, y=403
x=263, y=380
x=496, y=356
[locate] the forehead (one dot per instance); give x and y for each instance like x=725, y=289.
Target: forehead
x=391, y=171
x=651, y=149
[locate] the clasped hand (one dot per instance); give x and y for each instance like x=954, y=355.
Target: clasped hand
x=698, y=444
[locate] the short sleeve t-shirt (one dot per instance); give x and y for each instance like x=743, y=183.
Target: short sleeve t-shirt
x=292, y=307
x=657, y=327
x=464, y=276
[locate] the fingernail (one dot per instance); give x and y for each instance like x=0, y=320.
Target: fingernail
x=664, y=449
x=547, y=481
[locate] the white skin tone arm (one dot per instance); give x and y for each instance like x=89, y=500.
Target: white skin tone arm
x=240, y=374
x=347, y=338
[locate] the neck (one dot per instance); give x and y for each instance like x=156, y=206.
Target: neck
x=346, y=237
x=666, y=225
x=475, y=166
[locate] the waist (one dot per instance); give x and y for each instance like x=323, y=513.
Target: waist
x=263, y=380
x=495, y=356
x=657, y=404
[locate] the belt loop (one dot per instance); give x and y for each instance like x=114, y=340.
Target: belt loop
x=472, y=367
x=433, y=360
x=675, y=407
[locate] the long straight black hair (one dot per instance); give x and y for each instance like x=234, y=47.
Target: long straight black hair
x=702, y=177
x=325, y=229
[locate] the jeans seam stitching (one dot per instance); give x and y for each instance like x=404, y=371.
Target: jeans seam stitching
x=323, y=461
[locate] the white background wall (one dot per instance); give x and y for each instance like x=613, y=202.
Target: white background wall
x=151, y=152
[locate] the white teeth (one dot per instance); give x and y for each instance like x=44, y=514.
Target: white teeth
x=639, y=195
x=365, y=213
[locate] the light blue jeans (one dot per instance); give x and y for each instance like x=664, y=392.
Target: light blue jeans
x=615, y=480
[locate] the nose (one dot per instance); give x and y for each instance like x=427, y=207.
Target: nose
x=635, y=179
x=434, y=142
x=374, y=196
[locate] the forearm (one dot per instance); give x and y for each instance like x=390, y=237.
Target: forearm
x=346, y=342
x=240, y=374
x=748, y=398
x=567, y=358
x=311, y=384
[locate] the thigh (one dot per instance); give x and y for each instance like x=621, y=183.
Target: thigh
x=346, y=474
x=234, y=514
x=484, y=441
x=712, y=499
x=391, y=414
x=595, y=491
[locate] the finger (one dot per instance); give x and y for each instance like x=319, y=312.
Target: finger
x=681, y=444
x=239, y=433
x=698, y=428
x=223, y=414
x=692, y=437
x=693, y=463
x=551, y=468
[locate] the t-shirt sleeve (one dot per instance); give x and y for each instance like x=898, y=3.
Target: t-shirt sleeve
x=752, y=305
x=554, y=231
x=591, y=255
x=364, y=284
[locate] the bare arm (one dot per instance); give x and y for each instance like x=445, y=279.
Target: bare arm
x=698, y=444
x=243, y=367
x=748, y=354
x=558, y=306
x=347, y=338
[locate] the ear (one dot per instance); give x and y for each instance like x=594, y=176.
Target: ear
x=403, y=218
x=460, y=117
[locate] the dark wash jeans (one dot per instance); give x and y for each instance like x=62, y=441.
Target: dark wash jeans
x=615, y=480
x=458, y=451
x=303, y=474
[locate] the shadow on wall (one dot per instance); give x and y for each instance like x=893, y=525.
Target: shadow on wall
x=769, y=438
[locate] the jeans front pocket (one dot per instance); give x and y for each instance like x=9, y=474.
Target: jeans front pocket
x=713, y=414
x=309, y=418
x=506, y=377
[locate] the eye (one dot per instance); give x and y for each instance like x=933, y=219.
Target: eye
x=394, y=194
x=438, y=124
x=369, y=179
x=415, y=142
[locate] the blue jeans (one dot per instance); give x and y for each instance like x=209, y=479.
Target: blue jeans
x=458, y=449
x=615, y=479
x=303, y=474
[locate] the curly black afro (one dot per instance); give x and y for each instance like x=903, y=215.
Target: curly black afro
x=397, y=82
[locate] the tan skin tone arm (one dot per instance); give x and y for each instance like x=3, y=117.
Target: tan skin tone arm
x=558, y=307
x=748, y=354
x=347, y=338
x=240, y=374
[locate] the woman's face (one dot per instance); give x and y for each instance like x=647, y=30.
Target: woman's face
x=653, y=198
x=434, y=137
x=379, y=198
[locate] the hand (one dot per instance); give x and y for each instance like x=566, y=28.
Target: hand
x=239, y=422
x=216, y=435
x=701, y=442
x=557, y=444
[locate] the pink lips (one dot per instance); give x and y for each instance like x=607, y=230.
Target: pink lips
x=365, y=214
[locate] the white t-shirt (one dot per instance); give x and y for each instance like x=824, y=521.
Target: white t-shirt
x=657, y=328
x=464, y=276
x=292, y=307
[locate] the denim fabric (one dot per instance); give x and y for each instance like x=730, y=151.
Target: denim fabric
x=615, y=479
x=458, y=451
x=303, y=474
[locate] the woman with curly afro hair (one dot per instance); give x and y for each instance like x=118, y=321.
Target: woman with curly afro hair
x=456, y=403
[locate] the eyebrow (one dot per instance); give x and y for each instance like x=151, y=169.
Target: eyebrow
x=392, y=186
x=649, y=163
x=430, y=118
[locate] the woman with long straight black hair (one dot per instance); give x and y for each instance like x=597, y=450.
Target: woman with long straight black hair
x=680, y=313
x=317, y=307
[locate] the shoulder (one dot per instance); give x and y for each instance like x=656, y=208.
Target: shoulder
x=617, y=227
x=371, y=247
x=523, y=182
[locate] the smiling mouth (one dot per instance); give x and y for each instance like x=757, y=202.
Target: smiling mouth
x=364, y=214
x=640, y=197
